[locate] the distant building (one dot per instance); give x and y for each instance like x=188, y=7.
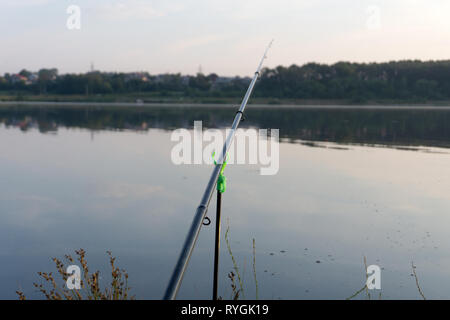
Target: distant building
x=33, y=78
x=141, y=76
x=16, y=78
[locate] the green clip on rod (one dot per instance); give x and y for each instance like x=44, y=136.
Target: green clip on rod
x=222, y=181
x=194, y=230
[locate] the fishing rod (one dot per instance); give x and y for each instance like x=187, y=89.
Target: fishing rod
x=199, y=217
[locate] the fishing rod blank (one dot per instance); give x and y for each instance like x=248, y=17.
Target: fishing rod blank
x=192, y=236
x=217, y=246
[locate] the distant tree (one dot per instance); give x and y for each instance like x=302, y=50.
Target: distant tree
x=45, y=76
x=200, y=82
x=72, y=84
x=426, y=88
x=25, y=73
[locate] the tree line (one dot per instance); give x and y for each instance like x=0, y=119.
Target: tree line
x=408, y=80
x=400, y=80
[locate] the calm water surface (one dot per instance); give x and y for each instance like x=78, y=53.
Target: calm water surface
x=352, y=183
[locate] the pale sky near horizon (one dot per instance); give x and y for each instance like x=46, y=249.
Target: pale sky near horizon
x=225, y=37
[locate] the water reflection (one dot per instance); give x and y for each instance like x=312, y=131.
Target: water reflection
x=402, y=127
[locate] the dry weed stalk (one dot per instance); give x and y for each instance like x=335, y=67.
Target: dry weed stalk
x=90, y=286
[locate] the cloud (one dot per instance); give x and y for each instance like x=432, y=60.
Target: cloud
x=134, y=9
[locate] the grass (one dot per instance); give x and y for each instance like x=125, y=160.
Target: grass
x=53, y=286
x=368, y=296
x=238, y=292
x=231, y=275
x=254, y=268
x=417, y=280
x=365, y=289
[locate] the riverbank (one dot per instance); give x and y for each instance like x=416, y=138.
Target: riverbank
x=146, y=99
x=141, y=105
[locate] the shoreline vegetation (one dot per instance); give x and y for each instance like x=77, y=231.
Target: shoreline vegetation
x=257, y=103
x=407, y=82
x=54, y=285
x=145, y=100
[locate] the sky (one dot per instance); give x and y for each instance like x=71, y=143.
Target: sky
x=225, y=37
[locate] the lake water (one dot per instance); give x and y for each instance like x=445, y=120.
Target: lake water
x=352, y=182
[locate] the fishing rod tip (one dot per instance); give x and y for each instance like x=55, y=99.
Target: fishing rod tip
x=267, y=49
